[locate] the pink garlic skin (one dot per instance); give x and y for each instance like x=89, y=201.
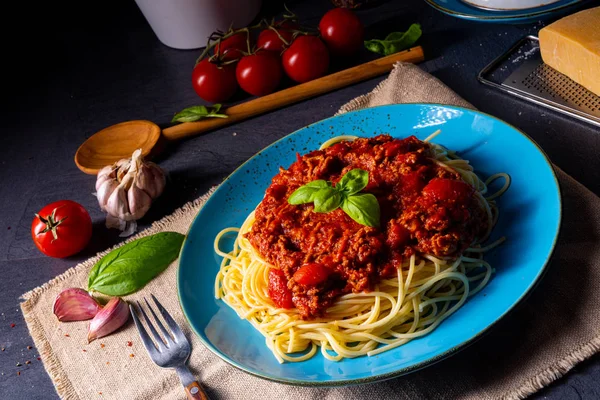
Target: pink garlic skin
x=75, y=304
x=139, y=202
x=113, y=316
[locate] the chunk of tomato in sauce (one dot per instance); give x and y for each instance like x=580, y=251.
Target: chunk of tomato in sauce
x=312, y=274
x=397, y=235
x=441, y=189
x=278, y=290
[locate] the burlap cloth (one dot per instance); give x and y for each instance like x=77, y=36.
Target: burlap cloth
x=544, y=337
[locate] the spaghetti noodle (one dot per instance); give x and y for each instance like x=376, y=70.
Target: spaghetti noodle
x=423, y=291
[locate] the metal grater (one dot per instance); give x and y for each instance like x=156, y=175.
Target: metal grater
x=521, y=72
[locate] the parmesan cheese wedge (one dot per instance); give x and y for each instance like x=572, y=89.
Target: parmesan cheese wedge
x=571, y=45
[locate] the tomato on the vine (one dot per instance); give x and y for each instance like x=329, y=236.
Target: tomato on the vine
x=306, y=59
x=342, y=31
x=214, y=83
x=233, y=47
x=260, y=73
x=270, y=38
x=61, y=229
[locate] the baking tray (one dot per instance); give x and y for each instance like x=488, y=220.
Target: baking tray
x=521, y=72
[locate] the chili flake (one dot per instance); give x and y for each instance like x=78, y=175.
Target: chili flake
x=12, y=325
x=107, y=363
x=67, y=335
x=129, y=343
x=18, y=372
x=27, y=362
x=39, y=358
x=29, y=347
x=131, y=355
x=84, y=350
x=102, y=345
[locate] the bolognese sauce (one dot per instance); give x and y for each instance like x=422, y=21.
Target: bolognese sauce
x=425, y=208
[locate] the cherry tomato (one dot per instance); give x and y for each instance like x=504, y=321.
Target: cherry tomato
x=268, y=39
x=232, y=48
x=214, y=83
x=260, y=73
x=312, y=274
x=306, y=59
x=342, y=31
x=278, y=290
x=61, y=229
x=448, y=189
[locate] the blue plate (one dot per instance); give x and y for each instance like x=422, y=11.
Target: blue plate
x=530, y=215
x=460, y=9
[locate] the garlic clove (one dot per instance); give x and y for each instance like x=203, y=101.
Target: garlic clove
x=75, y=304
x=113, y=316
x=116, y=205
x=151, y=179
x=105, y=174
x=139, y=202
x=104, y=191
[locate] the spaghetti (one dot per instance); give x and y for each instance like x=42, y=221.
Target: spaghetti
x=409, y=302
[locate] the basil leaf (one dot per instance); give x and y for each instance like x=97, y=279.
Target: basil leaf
x=131, y=266
x=305, y=194
x=327, y=200
x=353, y=181
x=363, y=208
x=395, y=41
x=196, y=113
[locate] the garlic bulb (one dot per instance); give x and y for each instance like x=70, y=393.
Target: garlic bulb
x=126, y=190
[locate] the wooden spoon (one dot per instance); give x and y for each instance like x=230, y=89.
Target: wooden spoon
x=119, y=141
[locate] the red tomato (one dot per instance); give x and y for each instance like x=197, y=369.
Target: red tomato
x=278, y=290
x=342, y=31
x=306, y=59
x=233, y=47
x=448, y=189
x=260, y=73
x=214, y=83
x=268, y=39
x=61, y=229
x=312, y=274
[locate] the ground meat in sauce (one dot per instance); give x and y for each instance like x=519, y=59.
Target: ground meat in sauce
x=425, y=208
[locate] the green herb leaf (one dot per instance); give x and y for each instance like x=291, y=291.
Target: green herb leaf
x=305, y=194
x=327, y=200
x=353, y=181
x=196, y=113
x=395, y=41
x=131, y=266
x=363, y=208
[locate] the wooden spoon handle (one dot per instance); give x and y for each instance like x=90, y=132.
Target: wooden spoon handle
x=295, y=93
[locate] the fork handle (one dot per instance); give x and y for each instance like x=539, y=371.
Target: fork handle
x=195, y=392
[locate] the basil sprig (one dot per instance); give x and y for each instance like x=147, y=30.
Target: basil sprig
x=395, y=41
x=196, y=113
x=361, y=207
x=131, y=266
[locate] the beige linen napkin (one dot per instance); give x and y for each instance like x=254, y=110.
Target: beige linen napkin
x=555, y=328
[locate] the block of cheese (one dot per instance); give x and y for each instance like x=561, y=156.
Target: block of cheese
x=571, y=45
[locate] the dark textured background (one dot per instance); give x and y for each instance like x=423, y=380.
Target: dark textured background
x=73, y=68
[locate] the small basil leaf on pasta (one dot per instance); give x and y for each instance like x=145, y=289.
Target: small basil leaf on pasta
x=353, y=181
x=305, y=194
x=362, y=208
x=327, y=200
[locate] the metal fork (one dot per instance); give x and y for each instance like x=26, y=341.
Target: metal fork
x=172, y=350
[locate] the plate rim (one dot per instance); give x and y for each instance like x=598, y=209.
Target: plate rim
x=497, y=17
x=420, y=365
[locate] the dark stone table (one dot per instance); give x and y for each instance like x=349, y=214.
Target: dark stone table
x=74, y=69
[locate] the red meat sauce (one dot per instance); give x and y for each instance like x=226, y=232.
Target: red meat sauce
x=425, y=209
